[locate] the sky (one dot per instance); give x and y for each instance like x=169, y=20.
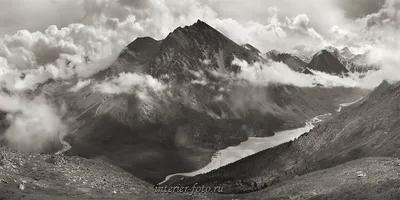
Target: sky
x=267, y=24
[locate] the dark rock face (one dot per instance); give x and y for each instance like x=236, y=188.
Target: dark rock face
x=251, y=48
x=196, y=47
x=141, y=49
x=293, y=62
x=324, y=61
x=132, y=58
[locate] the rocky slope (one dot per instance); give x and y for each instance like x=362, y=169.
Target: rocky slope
x=324, y=61
x=60, y=177
x=293, y=62
x=251, y=48
x=353, y=62
x=196, y=47
x=365, y=178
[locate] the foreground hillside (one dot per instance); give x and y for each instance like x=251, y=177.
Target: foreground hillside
x=370, y=129
x=40, y=176
x=369, y=178
x=37, y=176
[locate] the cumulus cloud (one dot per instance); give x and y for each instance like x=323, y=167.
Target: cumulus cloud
x=34, y=125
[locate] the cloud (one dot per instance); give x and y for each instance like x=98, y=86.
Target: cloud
x=259, y=74
x=130, y=83
x=38, y=15
x=387, y=16
x=81, y=84
x=355, y=9
x=34, y=125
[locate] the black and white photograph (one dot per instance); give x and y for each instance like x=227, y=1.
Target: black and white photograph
x=200, y=99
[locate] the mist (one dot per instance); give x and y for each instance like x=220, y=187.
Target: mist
x=34, y=125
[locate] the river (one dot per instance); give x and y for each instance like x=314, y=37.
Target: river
x=256, y=144
x=251, y=146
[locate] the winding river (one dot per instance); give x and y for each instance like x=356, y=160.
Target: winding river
x=249, y=147
x=256, y=144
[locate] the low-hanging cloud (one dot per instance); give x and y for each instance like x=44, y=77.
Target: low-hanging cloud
x=80, y=84
x=278, y=73
x=130, y=83
x=34, y=125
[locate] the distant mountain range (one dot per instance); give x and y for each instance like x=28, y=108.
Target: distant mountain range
x=329, y=60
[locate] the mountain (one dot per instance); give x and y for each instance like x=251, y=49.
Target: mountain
x=339, y=54
x=346, y=53
x=293, y=62
x=353, y=62
x=195, y=47
x=359, y=63
x=367, y=130
x=178, y=129
x=133, y=58
x=251, y=48
x=324, y=61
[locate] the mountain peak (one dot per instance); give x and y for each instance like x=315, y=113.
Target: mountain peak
x=186, y=48
x=331, y=49
x=200, y=23
x=346, y=52
x=140, y=42
x=324, y=61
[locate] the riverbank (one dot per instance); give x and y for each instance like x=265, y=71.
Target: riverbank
x=251, y=146
x=256, y=144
